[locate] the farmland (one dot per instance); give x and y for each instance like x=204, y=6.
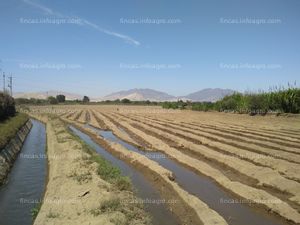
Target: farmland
x=253, y=159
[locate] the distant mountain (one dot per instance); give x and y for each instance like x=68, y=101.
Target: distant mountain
x=45, y=94
x=205, y=95
x=140, y=95
x=208, y=95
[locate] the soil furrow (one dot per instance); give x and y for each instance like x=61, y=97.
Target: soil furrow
x=212, y=140
x=202, y=167
x=280, y=154
x=265, y=176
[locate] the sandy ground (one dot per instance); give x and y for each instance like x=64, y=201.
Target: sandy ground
x=244, y=191
x=263, y=151
x=263, y=175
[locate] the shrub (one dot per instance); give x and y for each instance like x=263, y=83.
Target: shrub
x=7, y=106
x=52, y=100
x=202, y=106
x=171, y=105
x=257, y=103
x=107, y=171
x=33, y=101
x=125, y=101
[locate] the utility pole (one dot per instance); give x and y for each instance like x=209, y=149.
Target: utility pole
x=10, y=84
x=3, y=82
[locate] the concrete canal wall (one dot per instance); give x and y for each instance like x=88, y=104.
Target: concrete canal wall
x=9, y=153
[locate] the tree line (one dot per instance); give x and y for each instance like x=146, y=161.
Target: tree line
x=276, y=101
x=126, y=101
x=51, y=100
x=62, y=99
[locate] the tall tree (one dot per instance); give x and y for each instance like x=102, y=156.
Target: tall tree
x=86, y=99
x=61, y=98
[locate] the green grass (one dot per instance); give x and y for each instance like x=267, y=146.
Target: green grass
x=10, y=126
x=35, y=211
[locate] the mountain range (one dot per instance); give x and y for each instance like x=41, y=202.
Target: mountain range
x=205, y=95
x=137, y=94
x=140, y=95
x=46, y=94
x=209, y=95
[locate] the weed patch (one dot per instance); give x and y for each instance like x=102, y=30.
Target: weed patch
x=35, y=211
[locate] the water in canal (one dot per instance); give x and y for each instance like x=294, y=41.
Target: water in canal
x=26, y=182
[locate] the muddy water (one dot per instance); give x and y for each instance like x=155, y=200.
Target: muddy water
x=26, y=181
x=204, y=188
x=159, y=212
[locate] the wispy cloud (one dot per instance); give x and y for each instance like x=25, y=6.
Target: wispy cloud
x=40, y=7
x=83, y=22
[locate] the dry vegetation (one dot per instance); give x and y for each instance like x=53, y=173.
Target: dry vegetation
x=255, y=158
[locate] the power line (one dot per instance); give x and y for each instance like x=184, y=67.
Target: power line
x=9, y=85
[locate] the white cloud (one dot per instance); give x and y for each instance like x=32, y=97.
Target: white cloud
x=41, y=7
x=84, y=22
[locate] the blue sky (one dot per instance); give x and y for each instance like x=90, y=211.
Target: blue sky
x=242, y=45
